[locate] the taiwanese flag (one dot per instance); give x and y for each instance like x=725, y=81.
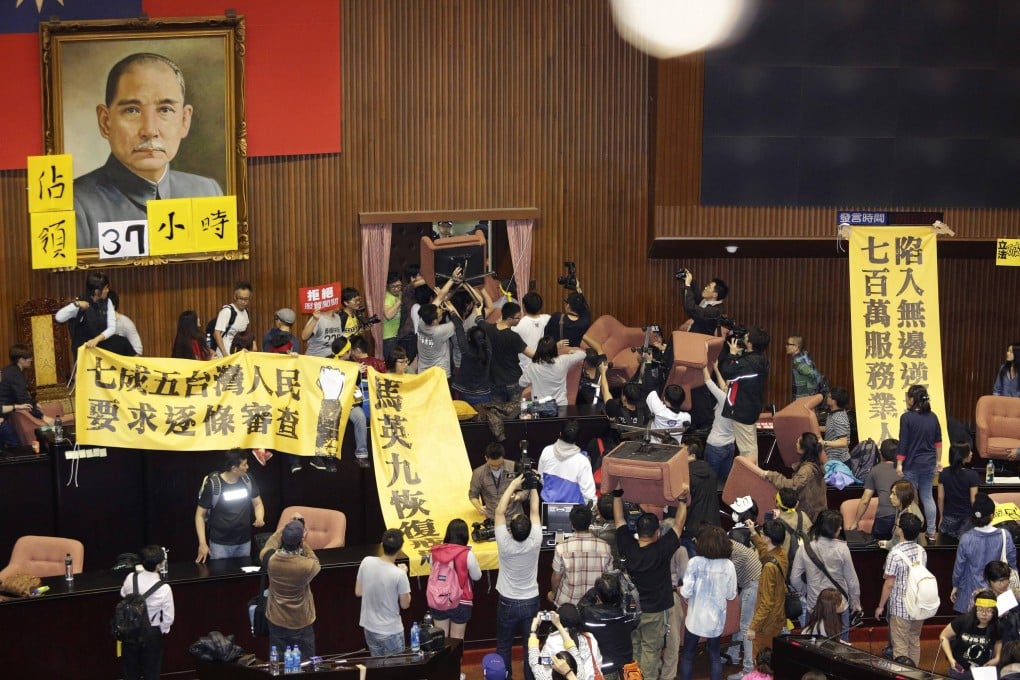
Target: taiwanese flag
x=280, y=69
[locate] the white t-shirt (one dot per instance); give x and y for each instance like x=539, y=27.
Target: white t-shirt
x=531, y=330
x=240, y=324
x=382, y=584
x=518, y=563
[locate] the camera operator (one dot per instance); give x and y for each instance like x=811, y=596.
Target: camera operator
x=517, y=583
x=593, y=387
x=705, y=309
x=490, y=480
x=570, y=326
x=746, y=368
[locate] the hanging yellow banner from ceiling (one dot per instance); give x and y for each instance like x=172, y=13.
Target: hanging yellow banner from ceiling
x=422, y=468
x=895, y=328
x=293, y=404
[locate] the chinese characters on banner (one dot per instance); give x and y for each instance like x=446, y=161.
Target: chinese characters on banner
x=320, y=298
x=51, y=212
x=293, y=404
x=1007, y=252
x=422, y=468
x=894, y=312
x=192, y=225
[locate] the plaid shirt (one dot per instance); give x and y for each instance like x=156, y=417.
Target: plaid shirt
x=897, y=564
x=580, y=560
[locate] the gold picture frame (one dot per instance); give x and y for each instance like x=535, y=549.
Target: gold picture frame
x=76, y=59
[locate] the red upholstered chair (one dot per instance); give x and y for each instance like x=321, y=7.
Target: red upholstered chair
x=998, y=426
x=326, y=528
x=649, y=473
x=43, y=556
x=744, y=481
x=848, y=509
x=617, y=341
x=690, y=356
x=791, y=422
x=25, y=424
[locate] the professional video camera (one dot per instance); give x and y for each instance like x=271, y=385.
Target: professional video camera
x=483, y=531
x=570, y=280
x=648, y=336
x=733, y=330
x=629, y=601
x=526, y=467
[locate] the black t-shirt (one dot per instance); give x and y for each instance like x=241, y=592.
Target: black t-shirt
x=704, y=505
x=972, y=646
x=229, y=522
x=505, y=368
x=586, y=390
x=957, y=490
x=649, y=568
x=573, y=329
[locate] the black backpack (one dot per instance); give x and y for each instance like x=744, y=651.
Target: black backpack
x=131, y=619
x=210, y=328
x=862, y=458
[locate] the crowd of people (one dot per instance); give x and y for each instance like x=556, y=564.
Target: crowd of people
x=630, y=585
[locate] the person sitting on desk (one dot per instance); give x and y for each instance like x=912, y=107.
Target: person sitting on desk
x=14, y=397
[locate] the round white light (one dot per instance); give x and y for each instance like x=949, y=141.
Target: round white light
x=671, y=28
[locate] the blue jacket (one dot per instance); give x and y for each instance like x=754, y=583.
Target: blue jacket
x=977, y=548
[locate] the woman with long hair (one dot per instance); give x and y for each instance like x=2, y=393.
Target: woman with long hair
x=709, y=582
x=567, y=642
x=826, y=549
x=808, y=478
x=903, y=498
x=1007, y=382
x=189, y=343
x=973, y=639
x=920, y=449
x=826, y=617
x=547, y=372
x=472, y=384
x=454, y=549
x=958, y=485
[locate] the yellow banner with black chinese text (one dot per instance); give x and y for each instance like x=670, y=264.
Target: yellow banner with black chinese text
x=422, y=468
x=294, y=404
x=895, y=326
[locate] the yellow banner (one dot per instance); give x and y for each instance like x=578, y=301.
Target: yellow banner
x=293, y=404
x=894, y=320
x=54, y=239
x=1006, y=512
x=421, y=465
x=50, y=184
x=1007, y=252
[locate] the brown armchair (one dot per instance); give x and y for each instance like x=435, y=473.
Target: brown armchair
x=998, y=426
x=326, y=528
x=43, y=556
x=791, y=422
x=616, y=341
x=848, y=509
x=690, y=356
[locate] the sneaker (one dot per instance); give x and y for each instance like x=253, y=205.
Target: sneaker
x=363, y=461
x=331, y=464
x=319, y=463
x=295, y=464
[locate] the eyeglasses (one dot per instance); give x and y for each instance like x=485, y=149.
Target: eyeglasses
x=242, y=299
x=401, y=361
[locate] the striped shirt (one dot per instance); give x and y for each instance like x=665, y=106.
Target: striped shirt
x=747, y=564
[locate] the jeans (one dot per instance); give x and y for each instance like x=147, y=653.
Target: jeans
x=922, y=481
x=514, y=617
x=380, y=644
x=954, y=526
x=748, y=599
x=360, y=425
x=691, y=650
x=474, y=399
x=720, y=459
x=218, y=551
x=282, y=637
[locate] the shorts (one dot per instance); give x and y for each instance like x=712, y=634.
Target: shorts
x=460, y=614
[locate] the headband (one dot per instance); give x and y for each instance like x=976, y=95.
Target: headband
x=985, y=602
x=506, y=293
x=779, y=502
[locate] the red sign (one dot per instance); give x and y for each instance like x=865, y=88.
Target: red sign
x=322, y=297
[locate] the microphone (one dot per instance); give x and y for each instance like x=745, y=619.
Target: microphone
x=833, y=637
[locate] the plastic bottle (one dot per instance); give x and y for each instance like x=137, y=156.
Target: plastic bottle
x=274, y=661
x=990, y=473
x=58, y=429
x=68, y=569
x=163, y=566
x=415, y=638
x=296, y=659
x=288, y=661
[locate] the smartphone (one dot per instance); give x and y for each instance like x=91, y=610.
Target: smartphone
x=545, y=660
x=545, y=616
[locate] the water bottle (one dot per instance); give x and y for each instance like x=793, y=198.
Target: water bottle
x=415, y=638
x=68, y=571
x=296, y=659
x=288, y=661
x=58, y=430
x=274, y=661
x=524, y=409
x=163, y=569
x=990, y=473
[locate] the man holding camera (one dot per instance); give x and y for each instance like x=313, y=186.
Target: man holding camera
x=746, y=369
x=704, y=310
x=517, y=583
x=490, y=480
x=290, y=607
x=648, y=564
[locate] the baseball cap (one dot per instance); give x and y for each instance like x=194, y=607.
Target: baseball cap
x=493, y=667
x=293, y=532
x=286, y=315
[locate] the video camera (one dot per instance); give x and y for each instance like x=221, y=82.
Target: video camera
x=733, y=330
x=570, y=280
x=526, y=467
x=483, y=531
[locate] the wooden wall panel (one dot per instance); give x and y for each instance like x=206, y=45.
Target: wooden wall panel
x=465, y=104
